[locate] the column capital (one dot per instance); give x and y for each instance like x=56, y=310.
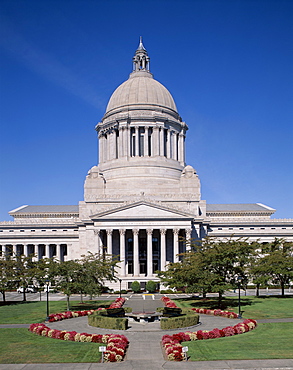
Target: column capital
x=176, y=231
x=109, y=231
x=122, y=231
x=163, y=231
x=97, y=231
x=149, y=231
x=135, y=231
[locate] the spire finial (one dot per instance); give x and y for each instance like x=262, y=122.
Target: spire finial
x=140, y=46
x=141, y=60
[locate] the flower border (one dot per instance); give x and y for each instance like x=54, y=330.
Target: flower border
x=172, y=343
x=116, y=343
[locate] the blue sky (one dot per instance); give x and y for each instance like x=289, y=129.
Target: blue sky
x=228, y=65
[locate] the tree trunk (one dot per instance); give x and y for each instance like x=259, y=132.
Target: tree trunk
x=81, y=298
x=40, y=296
x=24, y=295
x=220, y=299
x=3, y=296
x=67, y=300
x=283, y=288
x=257, y=290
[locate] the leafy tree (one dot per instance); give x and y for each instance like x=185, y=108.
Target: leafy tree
x=211, y=266
x=67, y=273
x=94, y=271
x=275, y=263
x=151, y=286
x=7, y=275
x=135, y=286
x=25, y=271
x=42, y=270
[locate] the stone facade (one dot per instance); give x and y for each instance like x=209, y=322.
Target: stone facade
x=141, y=200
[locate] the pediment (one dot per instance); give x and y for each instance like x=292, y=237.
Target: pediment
x=142, y=210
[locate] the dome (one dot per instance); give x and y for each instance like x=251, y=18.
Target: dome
x=141, y=89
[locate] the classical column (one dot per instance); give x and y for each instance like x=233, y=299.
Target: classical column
x=25, y=250
x=135, y=252
x=109, y=241
x=181, y=148
x=163, y=249
x=14, y=251
x=46, y=251
x=58, y=252
x=112, y=144
x=97, y=242
x=168, y=144
x=127, y=141
x=155, y=142
x=122, y=252
x=175, y=245
x=146, y=142
x=149, y=252
x=187, y=238
x=162, y=141
x=121, y=142
x=100, y=148
x=136, y=141
x=175, y=145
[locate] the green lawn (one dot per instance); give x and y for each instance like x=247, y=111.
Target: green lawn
x=267, y=307
x=22, y=346
x=266, y=341
x=33, y=312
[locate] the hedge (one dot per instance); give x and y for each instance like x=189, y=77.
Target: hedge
x=100, y=321
x=182, y=321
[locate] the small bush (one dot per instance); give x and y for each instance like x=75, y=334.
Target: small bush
x=107, y=322
x=151, y=286
x=166, y=291
x=179, y=321
x=135, y=286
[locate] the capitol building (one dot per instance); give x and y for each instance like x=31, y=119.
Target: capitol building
x=141, y=201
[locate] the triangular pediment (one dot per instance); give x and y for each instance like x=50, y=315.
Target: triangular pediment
x=142, y=210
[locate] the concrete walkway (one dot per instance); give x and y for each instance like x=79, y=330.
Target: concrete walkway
x=144, y=352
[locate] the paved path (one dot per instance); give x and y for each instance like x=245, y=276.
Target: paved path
x=144, y=352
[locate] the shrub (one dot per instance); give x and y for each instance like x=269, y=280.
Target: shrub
x=151, y=286
x=179, y=321
x=100, y=321
x=135, y=286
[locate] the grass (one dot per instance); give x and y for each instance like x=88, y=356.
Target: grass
x=252, y=307
x=267, y=341
x=22, y=346
x=31, y=312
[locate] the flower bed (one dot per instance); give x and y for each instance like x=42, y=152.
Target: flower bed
x=172, y=343
x=205, y=311
x=168, y=302
x=119, y=302
x=116, y=343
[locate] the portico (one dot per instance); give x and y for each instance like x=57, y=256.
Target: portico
x=145, y=237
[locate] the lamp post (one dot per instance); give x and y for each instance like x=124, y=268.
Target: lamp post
x=47, y=281
x=239, y=279
x=120, y=287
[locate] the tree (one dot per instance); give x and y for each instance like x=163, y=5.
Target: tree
x=275, y=262
x=67, y=276
x=135, y=286
x=211, y=266
x=7, y=275
x=95, y=270
x=25, y=270
x=151, y=286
